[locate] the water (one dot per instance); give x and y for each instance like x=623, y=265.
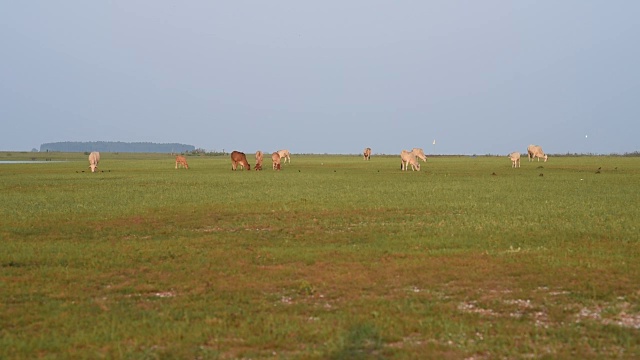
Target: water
x=29, y=161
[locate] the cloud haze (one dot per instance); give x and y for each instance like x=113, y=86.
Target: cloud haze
x=323, y=77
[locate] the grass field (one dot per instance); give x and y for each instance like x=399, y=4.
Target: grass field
x=331, y=258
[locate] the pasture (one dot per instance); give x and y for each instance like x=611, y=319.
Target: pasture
x=332, y=257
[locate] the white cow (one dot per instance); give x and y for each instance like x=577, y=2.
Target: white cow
x=94, y=159
x=286, y=155
x=418, y=152
x=408, y=158
x=535, y=151
x=515, y=159
x=367, y=153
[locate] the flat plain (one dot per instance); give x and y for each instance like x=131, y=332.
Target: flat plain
x=332, y=257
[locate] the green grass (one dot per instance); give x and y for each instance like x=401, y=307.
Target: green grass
x=332, y=257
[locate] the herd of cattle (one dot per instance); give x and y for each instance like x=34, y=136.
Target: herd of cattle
x=533, y=151
x=407, y=158
x=239, y=158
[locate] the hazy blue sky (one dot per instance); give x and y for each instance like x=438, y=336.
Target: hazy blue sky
x=323, y=76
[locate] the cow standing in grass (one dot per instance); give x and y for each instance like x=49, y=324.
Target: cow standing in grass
x=259, y=158
x=419, y=153
x=407, y=158
x=94, y=159
x=535, y=151
x=515, y=159
x=239, y=158
x=367, y=154
x=286, y=155
x=275, y=159
x=181, y=161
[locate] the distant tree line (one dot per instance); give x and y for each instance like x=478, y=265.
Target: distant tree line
x=116, y=146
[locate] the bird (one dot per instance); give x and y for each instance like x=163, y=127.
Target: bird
x=541, y=174
x=493, y=174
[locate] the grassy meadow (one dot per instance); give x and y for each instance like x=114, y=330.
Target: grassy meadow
x=333, y=257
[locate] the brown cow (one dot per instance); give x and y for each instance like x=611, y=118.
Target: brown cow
x=181, y=161
x=94, y=159
x=275, y=159
x=239, y=158
x=367, y=153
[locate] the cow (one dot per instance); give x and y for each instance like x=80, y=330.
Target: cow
x=286, y=155
x=535, y=151
x=515, y=159
x=275, y=159
x=407, y=158
x=94, y=159
x=367, y=153
x=181, y=161
x=239, y=158
x=259, y=158
x=419, y=153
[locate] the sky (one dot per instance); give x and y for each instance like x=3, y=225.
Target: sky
x=334, y=77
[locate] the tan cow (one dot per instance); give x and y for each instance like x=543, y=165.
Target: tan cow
x=181, y=161
x=367, y=153
x=418, y=152
x=275, y=159
x=239, y=158
x=408, y=158
x=515, y=159
x=94, y=159
x=535, y=151
x=259, y=158
x=286, y=155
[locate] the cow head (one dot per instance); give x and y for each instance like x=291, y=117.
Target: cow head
x=93, y=167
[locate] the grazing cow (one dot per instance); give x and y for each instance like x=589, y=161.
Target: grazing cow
x=94, y=159
x=408, y=158
x=515, y=159
x=535, y=151
x=367, y=154
x=259, y=158
x=181, y=161
x=286, y=155
x=239, y=158
x=418, y=152
x=275, y=159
